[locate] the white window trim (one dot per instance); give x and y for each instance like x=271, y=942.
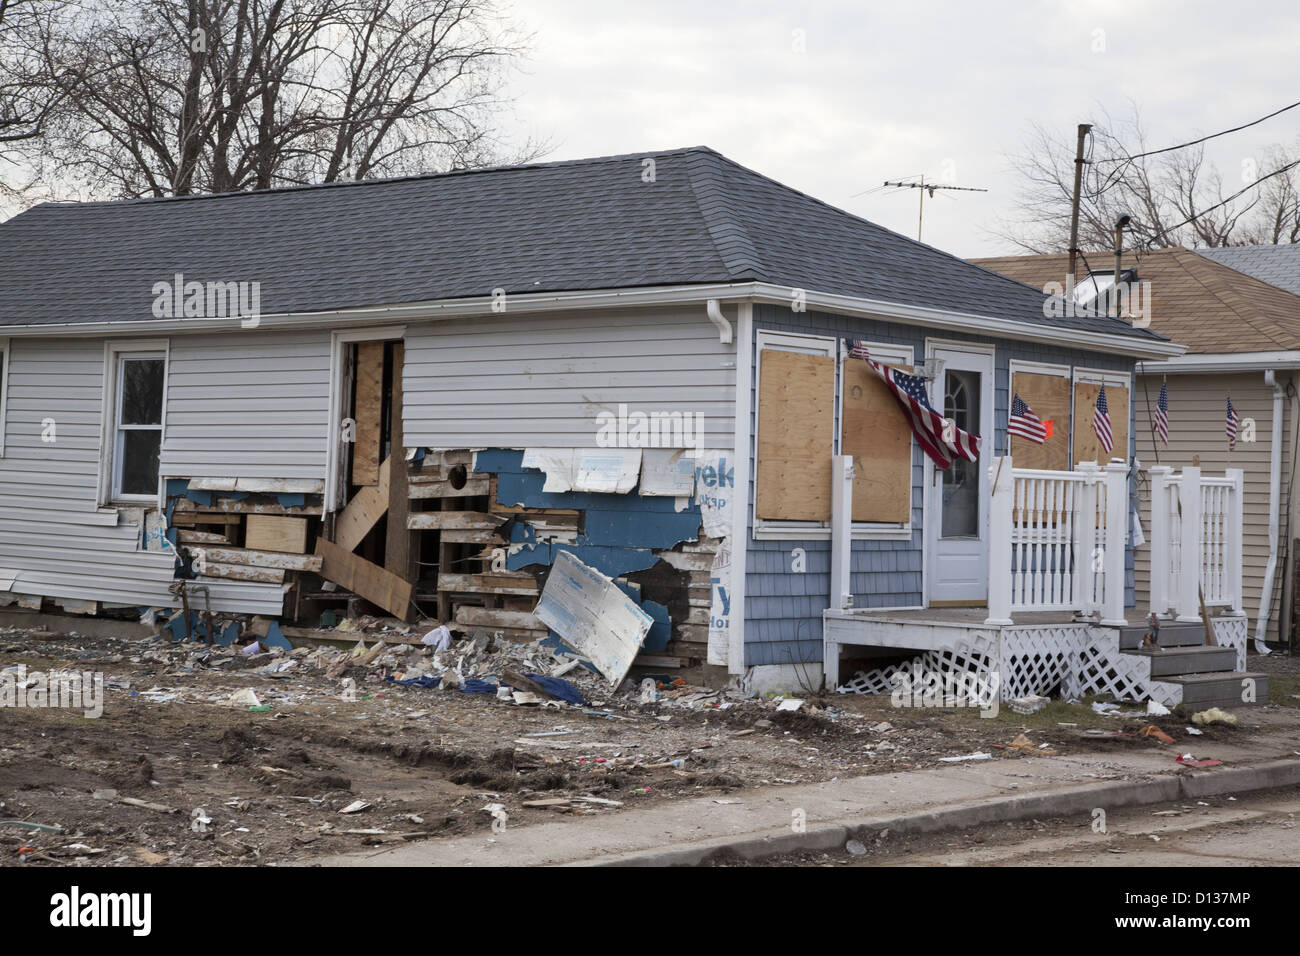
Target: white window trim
x=881, y=530
x=768, y=529
x=113, y=352
x=4, y=391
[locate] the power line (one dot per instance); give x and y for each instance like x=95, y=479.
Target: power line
x=1277, y=172
x=1203, y=139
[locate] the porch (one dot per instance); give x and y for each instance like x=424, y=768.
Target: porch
x=1055, y=618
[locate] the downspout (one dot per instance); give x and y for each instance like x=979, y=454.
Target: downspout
x=717, y=318
x=1274, y=503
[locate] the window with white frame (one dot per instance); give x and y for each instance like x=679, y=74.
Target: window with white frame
x=138, y=378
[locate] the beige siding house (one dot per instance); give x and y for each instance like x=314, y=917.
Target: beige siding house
x=1243, y=338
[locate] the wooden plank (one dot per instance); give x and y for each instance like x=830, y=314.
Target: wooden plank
x=229, y=506
x=363, y=512
x=494, y=583
x=1087, y=447
x=242, y=572
x=369, y=409
x=1049, y=397
x=275, y=533
x=363, y=578
x=474, y=486
x=397, y=539
x=453, y=520
x=795, y=436
x=878, y=436
x=202, y=537
x=518, y=510
x=263, y=559
x=454, y=536
x=494, y=617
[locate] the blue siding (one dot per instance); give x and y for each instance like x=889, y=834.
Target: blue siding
x=783, y=609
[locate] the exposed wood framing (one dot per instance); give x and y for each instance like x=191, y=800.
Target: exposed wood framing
x=363, y=512
x=365, y=579
x=369, y=412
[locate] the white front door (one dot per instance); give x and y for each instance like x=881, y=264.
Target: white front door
x=957, y=522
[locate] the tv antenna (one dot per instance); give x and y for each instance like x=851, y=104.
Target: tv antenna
x=931, y=188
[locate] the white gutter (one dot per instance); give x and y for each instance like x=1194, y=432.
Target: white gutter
x=740, y=492
x=528, y=303
x=1274, y=504
x=1223, y=362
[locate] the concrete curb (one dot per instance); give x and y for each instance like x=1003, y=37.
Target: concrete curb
x=1064, y=802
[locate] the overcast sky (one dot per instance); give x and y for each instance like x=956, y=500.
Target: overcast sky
x=892, y=90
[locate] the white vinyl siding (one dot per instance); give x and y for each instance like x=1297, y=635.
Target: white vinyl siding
x=542, y=381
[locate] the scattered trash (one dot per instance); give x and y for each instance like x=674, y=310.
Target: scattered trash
x=1156, y=709
x=1152, y=730
x=1214, y=716
x=975, y=756
x=790, y=703
x=356, y=806
x=1023, y=744
x=439, y=638
x=1191, y=761
x=1194, y=732
x=1029, y=705
x=856, y=848
x=245, y=698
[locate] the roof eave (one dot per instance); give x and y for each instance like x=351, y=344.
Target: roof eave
x=1212, y=362
x=541, y=302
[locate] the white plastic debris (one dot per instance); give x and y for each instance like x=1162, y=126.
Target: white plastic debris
x=1029, y=705
x=790, y=703
x=245, y=698
x=439, y=638
x=1156, y=709
x=978, y=756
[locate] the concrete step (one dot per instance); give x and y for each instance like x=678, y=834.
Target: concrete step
x=1172, y=634
x=1218, y=688
x=1202, y=659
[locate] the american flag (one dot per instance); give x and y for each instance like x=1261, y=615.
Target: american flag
x=1025, y=423
x=927, y=424
x=1231, y=426
x=1101, y=422
x=1162, y=414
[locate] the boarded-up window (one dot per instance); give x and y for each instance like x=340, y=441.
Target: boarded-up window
x=796, y=416
x=877, y=435
x=1049, y=397
x=1087, y=447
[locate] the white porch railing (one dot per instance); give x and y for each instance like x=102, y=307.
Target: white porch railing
x=1196, y=544
x=1057, y=541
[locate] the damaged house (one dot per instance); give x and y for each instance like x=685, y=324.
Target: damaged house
x=437, y=396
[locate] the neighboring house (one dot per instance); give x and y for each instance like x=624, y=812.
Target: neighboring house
x=427, y=352
x=1243, y=340
x=1276, y=265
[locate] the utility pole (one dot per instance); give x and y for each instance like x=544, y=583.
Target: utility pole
x=1084, y=129
x=925, y=187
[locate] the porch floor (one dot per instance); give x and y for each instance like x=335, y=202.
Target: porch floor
x=959, y=616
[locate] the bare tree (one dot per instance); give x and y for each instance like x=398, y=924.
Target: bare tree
x=1176, y=198
x=170, y=97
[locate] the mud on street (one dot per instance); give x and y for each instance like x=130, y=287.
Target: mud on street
x=176, y=772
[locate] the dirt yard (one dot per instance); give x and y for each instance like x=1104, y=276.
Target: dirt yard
x=207, y=781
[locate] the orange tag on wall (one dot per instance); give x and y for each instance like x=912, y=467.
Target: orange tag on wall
x=1047, y=427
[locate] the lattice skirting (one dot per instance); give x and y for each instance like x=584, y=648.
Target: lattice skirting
x=964, y=674
x=1102, y=669
x=1040, y=660
x=1233, y=632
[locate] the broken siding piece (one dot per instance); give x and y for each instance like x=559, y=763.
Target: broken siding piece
x=668, y=472
x=270, y=486
x=263, y=559
x=593, y=616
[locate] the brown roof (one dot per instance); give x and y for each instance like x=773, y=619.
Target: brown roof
x=1195, y=301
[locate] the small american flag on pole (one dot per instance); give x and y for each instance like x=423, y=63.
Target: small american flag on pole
x=1162, y=414
x=1025, y=423
x=1231, y=425
x=1101, y=422
x=941, y=443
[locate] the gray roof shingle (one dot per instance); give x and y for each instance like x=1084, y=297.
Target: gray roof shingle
x=1276, y=265
x=544, y=227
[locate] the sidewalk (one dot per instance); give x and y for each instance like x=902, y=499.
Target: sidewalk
x=758, y=822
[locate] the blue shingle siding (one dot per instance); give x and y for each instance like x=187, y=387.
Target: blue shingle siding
x=783, y=618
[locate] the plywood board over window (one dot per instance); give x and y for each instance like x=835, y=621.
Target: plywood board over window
x=876, y=433
x=796, y=414
x=1087, y=447
x=1049, y=397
